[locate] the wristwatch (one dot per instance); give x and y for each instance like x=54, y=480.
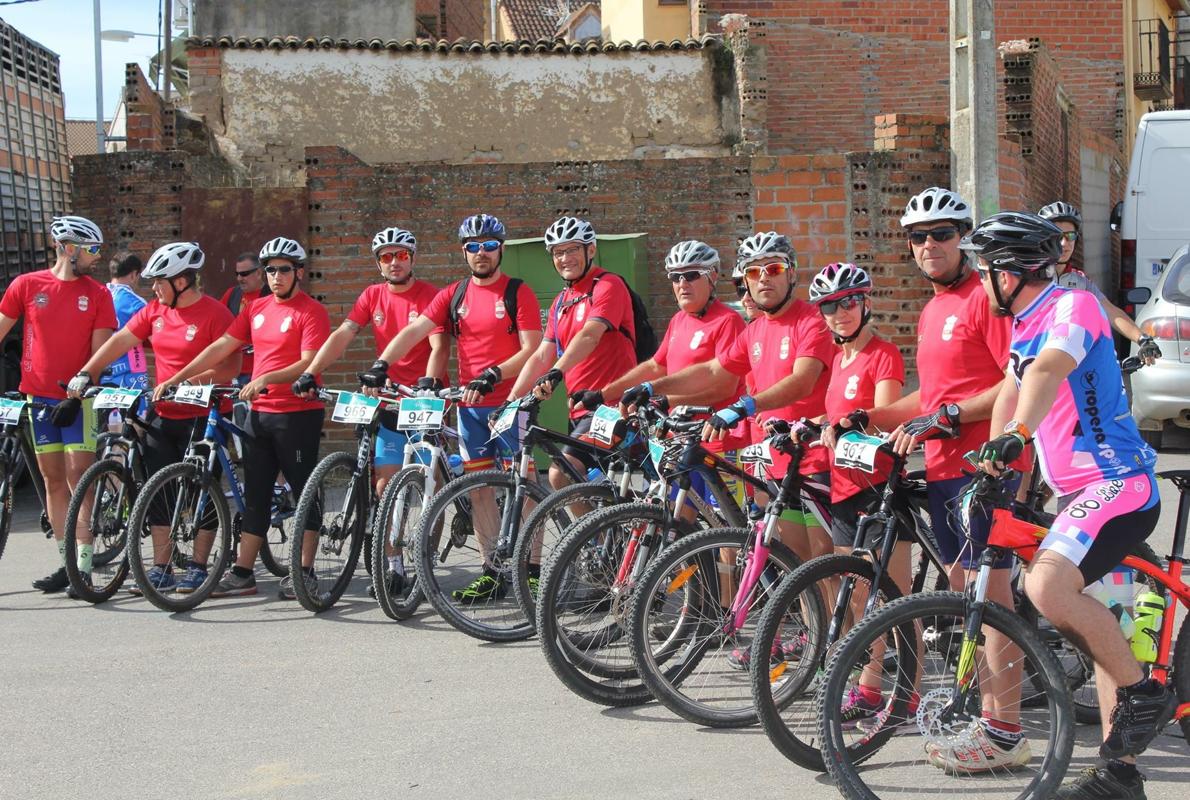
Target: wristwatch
x=1020, y=430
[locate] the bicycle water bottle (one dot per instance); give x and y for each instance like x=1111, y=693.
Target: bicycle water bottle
x=455, y=462
x=594, y=474
x=1150, y=607
x=1117, y=591
x=1127, y=625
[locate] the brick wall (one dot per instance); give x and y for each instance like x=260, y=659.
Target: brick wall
x=150, y=123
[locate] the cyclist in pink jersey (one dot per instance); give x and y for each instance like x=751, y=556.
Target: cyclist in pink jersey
x=68, y=316
x=1064, y=390
x=286, y=329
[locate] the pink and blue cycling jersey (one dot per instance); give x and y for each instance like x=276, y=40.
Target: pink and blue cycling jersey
x=1089, y=435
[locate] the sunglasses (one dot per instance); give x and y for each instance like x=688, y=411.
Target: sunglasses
x=1070, y=236
x=772, y=270
x=245, y=273
x=847, y=303
x=937, y=234
x=402, y=256
x=278, y=270
x=90, y=249
x=741, y=289
x=490, y=246
x=690, y=276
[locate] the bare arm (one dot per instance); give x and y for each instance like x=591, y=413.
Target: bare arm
x=6, y=324
x=645, y=371
x=888, y=417
x=109, y=351
x=1005, y=407
x=798, y=384
x=403, y=342
x=439, y=355
x=334, y=347
x=99, y=337
x=214, y=353
x=1120, y=321
x=530, y=340
x=695, y=378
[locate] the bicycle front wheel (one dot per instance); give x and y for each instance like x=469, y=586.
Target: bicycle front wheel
x=398, y=591
x=106, y=492
x=274, y=551
x=180, y=516
x=331, y=519
x=929, y=739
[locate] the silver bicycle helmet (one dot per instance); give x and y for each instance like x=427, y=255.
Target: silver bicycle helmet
x=397, y=236
x=173, y=259
x=937, y=204
x=283, y=248
x=569, y=229
x=837, y=280
x=766, y=244
x=78, y=230
x=692, y=254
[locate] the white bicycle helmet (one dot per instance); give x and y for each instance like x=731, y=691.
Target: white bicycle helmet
x=283, y=248
x=937, y=204
x=173, y=259
x=766, y=244
x=397, y=236
x=79, y=230
x=569, y=229
x=837, y=280
x=1062, y=212
x=692, y=254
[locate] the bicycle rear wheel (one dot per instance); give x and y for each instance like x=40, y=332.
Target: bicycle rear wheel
x=274, y=552
x=1181, y=671
x=393, y=535
x=929, y=750
x=107, y=492
x=183, y=503
x=334, y=503
x=462, y=572
x=7, y=502
x=686, y=644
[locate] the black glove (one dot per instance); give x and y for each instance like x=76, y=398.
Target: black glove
x=858, y=420
x=1004, y=449
x=552, y=378
x=486, y=381
x=65, y=413
x=942, y=424
x=637, y=394
x=377, y=375
x=730, y=416
x=1147, y=348
x=589, y=400
x=430, y=384
x=660, y=402
x=304, y=384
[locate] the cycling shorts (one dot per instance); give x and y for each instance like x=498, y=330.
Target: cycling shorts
x=476, y=445
x=846, y=513
x=282, y=441
x=953, y=545
x=582, y=426
x=798, y=512
x=78, y=437
x=1100, y=525
x=390, y=448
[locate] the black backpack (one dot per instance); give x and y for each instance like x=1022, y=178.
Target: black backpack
x=645, y=342
x=456, y=302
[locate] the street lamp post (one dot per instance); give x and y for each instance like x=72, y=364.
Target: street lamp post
x=100, y=133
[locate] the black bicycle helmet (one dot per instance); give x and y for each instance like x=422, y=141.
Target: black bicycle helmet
x=1017, y=242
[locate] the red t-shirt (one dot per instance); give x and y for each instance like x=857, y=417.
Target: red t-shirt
x=177, y=336
x=245, y=300
x=600, y=298
x=484, y=339
x=853, y=386
x=60, y=317
x=389, y=312
x=279, y=332
x=962, y=350
x=766, y=351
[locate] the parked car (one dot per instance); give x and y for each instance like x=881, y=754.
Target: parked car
x=1161, y=392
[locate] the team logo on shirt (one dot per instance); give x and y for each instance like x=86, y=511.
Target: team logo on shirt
x=852, y=387
x=285, y=323
x=258, y=320
x=580, y=312
x=948, y=328
x=41, y=299
x=462, y=311
x=784, y=354
x=158, y=324
x=378, y=318
x=696, y=340
x=84, y=303
x=756, y=351
x=412, y=315
x=500, y=310
x=191, y=332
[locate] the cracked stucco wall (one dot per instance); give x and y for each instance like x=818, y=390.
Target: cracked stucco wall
x=391, y=107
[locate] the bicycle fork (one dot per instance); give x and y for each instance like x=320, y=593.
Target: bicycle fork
x=509, y=520
x=965, y=671
x=754, y=574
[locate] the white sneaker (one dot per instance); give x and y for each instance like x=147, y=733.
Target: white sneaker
x=974, y=751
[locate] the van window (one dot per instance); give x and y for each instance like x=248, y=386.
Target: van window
x=1166, y=191
x=1177, y=282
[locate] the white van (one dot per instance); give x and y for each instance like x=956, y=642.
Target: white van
x=1154, y=218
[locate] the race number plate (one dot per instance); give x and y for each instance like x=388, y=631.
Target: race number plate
x=857, y=451
x=116, y=398
x=507, y=418
x=420, y=413
x=603, y=425
x=10, y=411
x=352, y=408
x=760, y=455
x=193, y=395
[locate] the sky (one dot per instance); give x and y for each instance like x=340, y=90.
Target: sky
x=66, y=27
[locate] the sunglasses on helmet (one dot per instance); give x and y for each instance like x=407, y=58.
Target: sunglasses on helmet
x=937, y=234
x=403, y=256
x=490, y=246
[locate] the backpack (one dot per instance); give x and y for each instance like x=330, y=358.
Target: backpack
x=645, y=342
x=456, y=302
x=234, y=299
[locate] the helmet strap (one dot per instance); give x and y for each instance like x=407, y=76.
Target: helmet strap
x=774, y=309
x=1005, y=306
x=863, y=322
x=951, y=282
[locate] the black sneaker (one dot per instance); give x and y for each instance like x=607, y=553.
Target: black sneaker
x=71, y=593
x=54, y=582
x=1098, y=783
x=1138, y=717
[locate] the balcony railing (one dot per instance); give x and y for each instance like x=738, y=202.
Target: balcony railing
x=1151, y=77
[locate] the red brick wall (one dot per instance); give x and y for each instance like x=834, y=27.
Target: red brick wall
x=454, y=19
x=150, y=123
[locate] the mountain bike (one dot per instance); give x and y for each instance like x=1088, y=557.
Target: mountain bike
x=16, y=459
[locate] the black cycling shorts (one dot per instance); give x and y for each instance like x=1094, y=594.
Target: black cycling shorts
x=277, y=442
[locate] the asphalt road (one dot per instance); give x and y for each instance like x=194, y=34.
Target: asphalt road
x=255, y=698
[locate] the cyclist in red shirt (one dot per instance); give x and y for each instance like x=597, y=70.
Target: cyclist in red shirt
x=179, y=325
x=590, y=332
x=68, y=316
x=493, y=342
x=286, y=329
x=389, y=307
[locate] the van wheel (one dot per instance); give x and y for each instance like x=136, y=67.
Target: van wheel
x=1152, y=438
